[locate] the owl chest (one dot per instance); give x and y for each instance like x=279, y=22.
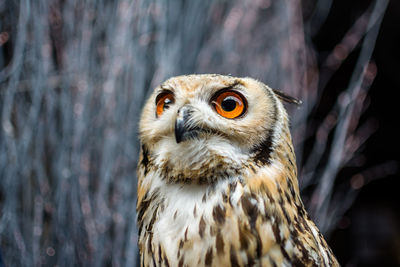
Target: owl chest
x=181, y=229
x=225, y=226
x=193, y=227
x=187, y=226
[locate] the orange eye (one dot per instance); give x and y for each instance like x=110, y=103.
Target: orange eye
x=163, y=101
x=229, y=104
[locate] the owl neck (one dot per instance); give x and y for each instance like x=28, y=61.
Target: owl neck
x=269, y=180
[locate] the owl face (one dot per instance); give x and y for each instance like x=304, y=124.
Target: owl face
x=202, y=122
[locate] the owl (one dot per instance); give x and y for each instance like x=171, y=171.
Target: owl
x=217, y=178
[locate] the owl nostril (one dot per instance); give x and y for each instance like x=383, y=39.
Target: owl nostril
x=185, y=112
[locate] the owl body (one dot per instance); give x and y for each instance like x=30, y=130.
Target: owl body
x=218, y=180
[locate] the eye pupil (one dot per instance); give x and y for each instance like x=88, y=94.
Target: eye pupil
x=228, y=104
x=167, y=101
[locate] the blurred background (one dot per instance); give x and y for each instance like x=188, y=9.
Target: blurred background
x=74, y=75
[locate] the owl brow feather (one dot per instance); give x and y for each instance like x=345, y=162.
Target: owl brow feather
x=234, y=84
x=287, y=98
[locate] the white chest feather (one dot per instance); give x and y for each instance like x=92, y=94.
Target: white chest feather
x=185, y=209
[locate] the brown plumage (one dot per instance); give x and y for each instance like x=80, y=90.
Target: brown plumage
x=218, y=180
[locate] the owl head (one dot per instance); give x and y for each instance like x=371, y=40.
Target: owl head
x=197, y=128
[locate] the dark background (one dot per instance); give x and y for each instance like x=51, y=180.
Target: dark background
x=369, y=234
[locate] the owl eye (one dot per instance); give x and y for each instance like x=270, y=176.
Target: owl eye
x=163, y=101
x=229, y=104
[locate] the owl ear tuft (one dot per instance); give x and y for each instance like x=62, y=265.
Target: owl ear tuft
x=287, y=98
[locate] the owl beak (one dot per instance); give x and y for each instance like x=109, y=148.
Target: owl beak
x=179, y=130
x=182, y=129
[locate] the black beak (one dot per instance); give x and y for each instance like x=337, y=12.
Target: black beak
x=182, y=129
x=179, y=130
